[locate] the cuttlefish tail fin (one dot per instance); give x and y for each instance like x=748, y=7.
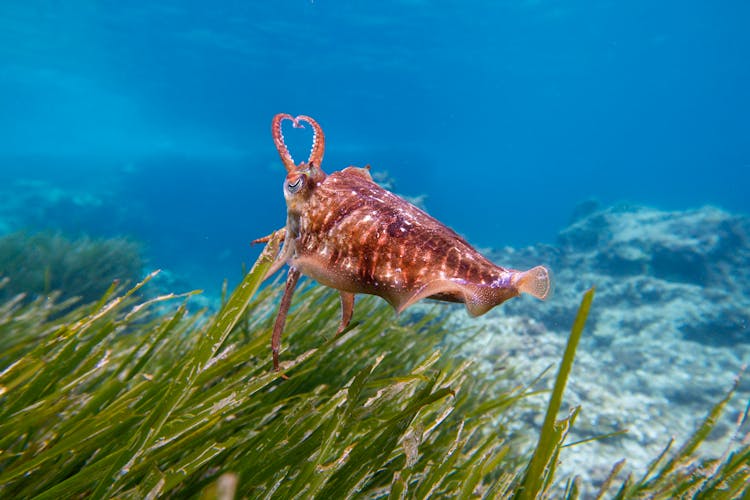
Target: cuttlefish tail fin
x=536, y=282
x=477, y=303
x=434, y=287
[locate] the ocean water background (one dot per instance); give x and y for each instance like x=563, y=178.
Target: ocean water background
x=151, y=119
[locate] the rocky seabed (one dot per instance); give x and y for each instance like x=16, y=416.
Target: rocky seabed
x=667, y=336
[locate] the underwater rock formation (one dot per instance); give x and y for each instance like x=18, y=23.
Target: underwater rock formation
x=691, y=266
x=668, y=332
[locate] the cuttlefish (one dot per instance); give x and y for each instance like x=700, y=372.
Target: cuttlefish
x=349, y=233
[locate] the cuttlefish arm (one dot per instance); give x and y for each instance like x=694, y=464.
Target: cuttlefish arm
x=347, y=310
x=286, y=252
x=286, y=300
x=292, y=277
x=318, y=144
x=283, y=257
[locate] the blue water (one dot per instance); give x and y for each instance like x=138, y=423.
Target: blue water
x=505, y=114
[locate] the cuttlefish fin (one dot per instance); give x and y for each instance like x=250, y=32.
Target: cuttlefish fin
x=362, y=172
x=481, y=298
x=476, y=303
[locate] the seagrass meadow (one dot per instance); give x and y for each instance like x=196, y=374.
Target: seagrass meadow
x=138, y=396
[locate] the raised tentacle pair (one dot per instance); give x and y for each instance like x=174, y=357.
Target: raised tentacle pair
x=318, y=143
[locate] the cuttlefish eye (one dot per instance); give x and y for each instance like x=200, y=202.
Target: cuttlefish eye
x=294, y=185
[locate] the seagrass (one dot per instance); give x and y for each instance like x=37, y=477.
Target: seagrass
x=133, y=398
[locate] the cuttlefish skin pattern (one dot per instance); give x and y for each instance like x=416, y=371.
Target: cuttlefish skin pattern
x=348, y=233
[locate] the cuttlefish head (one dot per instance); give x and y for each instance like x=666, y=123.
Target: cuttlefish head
x=301, y=177
x=298, y=187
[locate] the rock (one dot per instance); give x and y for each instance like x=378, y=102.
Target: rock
x=637, y=255
x=707, y=247
x=584, y=209
x=667, y=334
